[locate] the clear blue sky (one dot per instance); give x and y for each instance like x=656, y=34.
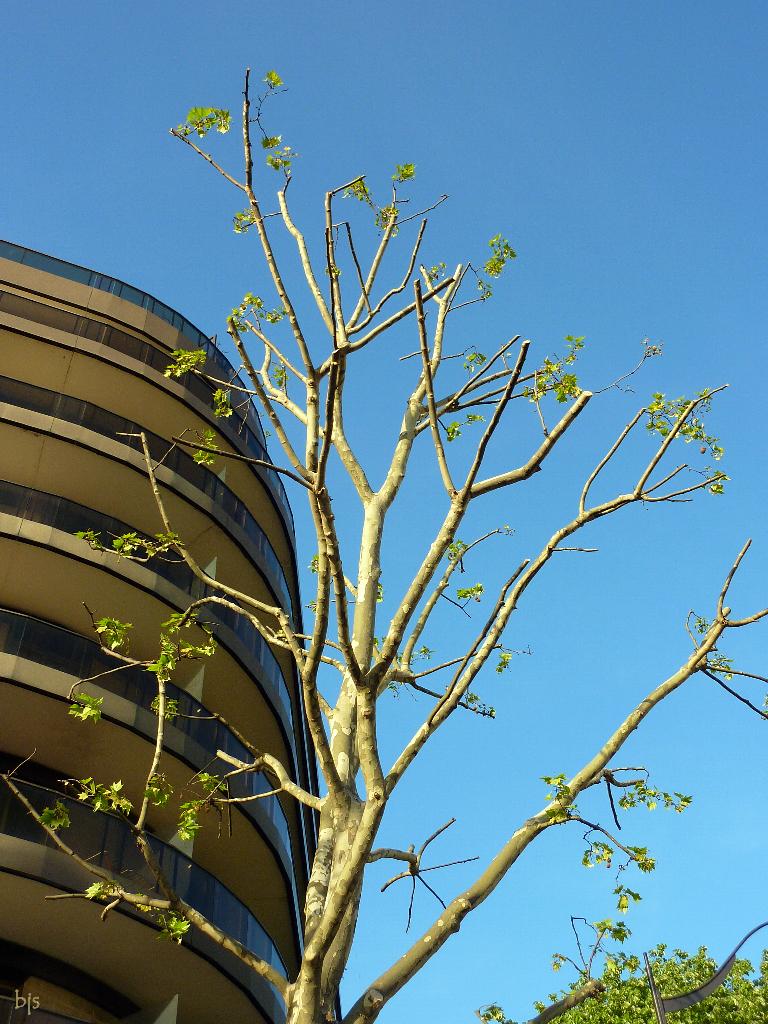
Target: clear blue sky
x=621, y=148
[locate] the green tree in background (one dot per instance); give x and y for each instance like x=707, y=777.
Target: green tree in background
x=622, y=994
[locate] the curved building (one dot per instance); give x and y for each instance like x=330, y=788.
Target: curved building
x=81, y=373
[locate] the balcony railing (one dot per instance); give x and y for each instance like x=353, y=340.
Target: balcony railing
x=143, y=352
x=69, y=517
x=106, y=841
x=92, y=279
x=41, y=642
x=101, y=421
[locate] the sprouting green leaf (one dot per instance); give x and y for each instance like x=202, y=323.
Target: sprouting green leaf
x=205, y=458
x=473, y=361
x=55, y=817
x=271, y=141
x=641, y=794
x=101, y=797
x=173, y=926
x=281, y=159
x=171, y=707
x=273, y=80
x=358, y=190
x=663, y=414
x=210, y=783
x=560, y=797
x=113, y=633
x=486, y=291
x=86, y=707
x=473, y=593
x=242, y=221
x=200, y=120
x=222, y=406
x=386, y=216
x=404, y=172
x=280, y=377
x=188, y=824
x=99, y=890
x=159, y=789
x=501, y=253
x=184, y=360
x=505, y=658
x=435, y=272
x=453, y=430
x=456, y=550
x=625, y=896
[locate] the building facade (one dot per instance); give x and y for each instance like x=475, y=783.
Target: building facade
x=81, y=374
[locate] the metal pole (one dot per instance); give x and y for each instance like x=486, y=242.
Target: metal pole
x=658, y=1003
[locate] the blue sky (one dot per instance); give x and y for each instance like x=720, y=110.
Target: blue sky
x=621, y=149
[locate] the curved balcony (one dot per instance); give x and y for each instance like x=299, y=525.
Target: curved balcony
x=101, y=421
x=41, y=642
x=148, y=355
x=68, y=516
x=106, y=841
x=113, y=286
x=28, y=504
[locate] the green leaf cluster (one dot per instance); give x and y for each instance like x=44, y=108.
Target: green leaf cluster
x=360, y=191
x=386, y=215
x=625, y=896
x=742, y=999
x=99, y=891
x=559, y=796
x=174, y=649
x=473, y=593
x=113, y=633
x=505, y=659
x=188, y=825
x=86, y=707
x=171, y=707
x=474, y=360
x=435, y=272
x=473, y=701
x=664, y=412
x=404, y=172
x=101, y=797
x=55, y=817
x=132, y=545
x=159, y=790
x=243, y=220
x=641, y=794
x=173, y=926
x=253, y=306
x=501, y=253
x=185, y=360
x=201, y=120
x=456, y=550
x=553, y=377
x=222, y=404
x=208, y=438
x=453, y=430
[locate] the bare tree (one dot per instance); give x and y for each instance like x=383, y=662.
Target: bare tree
x=301, y=392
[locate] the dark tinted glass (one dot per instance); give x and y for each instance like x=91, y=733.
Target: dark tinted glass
x=106, y=841
x=23, y=636
x=42, y=313
x=71, y=517
x=92, y=417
